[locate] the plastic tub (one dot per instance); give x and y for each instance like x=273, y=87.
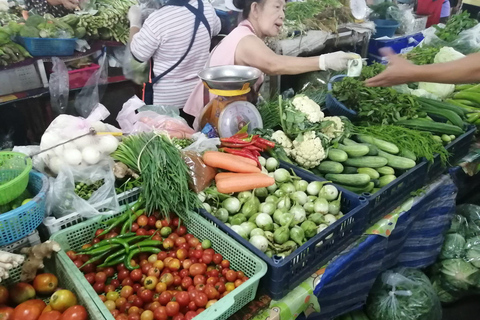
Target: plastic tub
x=285, y=274
x=335, y=107
x=385, y=28
x=48, y=47
x=240, y=258
x=78, y=78
x=14, y=174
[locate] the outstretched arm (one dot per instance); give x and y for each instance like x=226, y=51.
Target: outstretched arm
x=400, y=71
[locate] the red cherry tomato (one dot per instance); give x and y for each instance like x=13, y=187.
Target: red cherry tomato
x=186, y=283
x=217, y=258
x=197, y=269
x=100, y=277
x=225, y=264
x=207, y=258
x=123, y=274
x=136, y=275
x=199, y=279
x=182, y=230
x=90, y=277
x=165, y=298
x=99, y=287
x=142, y=220
x=75, y=313
x=201, y=300
x=190, y=315
x=173, y=308
x=151, y=221
x=160, y=313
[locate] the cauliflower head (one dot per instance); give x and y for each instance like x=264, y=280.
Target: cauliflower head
x=308, y=150
x=306, y=105
x=282, y=140
x=447, y=54
x=335, y=129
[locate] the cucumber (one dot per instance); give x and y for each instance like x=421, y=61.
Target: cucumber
x=371, y=172
x=373, y=149
x=381, y=144
x=386, y=170
x=367, y=162
x=354, y=151
x=337, y=155
x=430, y=126
x=359, y=179
x=350, y=170
x=375, y=190
x=330, y=167
x=451, y=116
x=408, y=154
x=359, y=190
x=349, y=142
x=384, y=180
x=396, y=161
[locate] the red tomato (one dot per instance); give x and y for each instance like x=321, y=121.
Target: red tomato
x=201, y=300
x=141, y=232
x=133, y=316
x=179, y=316
x=147, y=266
x=146, y=295
x=151, y=221
x=50, y=315
x=197, y=269
x=197, y=254
x=109, y=288
x=6, y=313
x=231, y=276
x=220, y=286
x=75, y=313
x=101, y=277
x=99, y=287
x=127, y=282
x=190, y=315
x=186, y=283
x=179, y=241
x=199, y=279
x=238, y=282
x=168, y=244
x=167, y=278
x=212, y=280
x=136, y=275
x=225, y=264
x=183, y=298
x=217, y=258
x=177, y=280
x=123, y=274
x=3, y=295
x=211, y=293
x=173, y=308
x=209, y=251
x=165, y=298
x=101, y=296
x=207, y=258
x=121, y=316
x=21, y=292
x=173, y=236
x=136, y=286
x=142, y=220
x=181, y=231
x=160, y=313
x=213, y=273
x=135, y=227
x=29, y=310
x=200, y=287
x=115, y=283
x=72, y=255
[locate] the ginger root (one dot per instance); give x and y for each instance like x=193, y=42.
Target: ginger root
x=35, y=257
x=120, y=170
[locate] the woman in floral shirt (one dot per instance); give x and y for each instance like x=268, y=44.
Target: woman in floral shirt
x=57, y=8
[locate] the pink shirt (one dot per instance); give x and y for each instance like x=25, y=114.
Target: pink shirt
x=223, y=54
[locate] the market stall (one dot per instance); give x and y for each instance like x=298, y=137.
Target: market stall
x=305, y=205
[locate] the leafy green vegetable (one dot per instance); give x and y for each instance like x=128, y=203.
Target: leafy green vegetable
x=270, y=115
x=382, y=9
x=452, y=247
x=459, y=273
x=455, y=25
x=421, y=55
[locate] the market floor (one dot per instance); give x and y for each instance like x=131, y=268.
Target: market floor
x=467, y=309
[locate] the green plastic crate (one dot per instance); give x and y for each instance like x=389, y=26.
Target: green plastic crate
x=66, y=280
x=240, y=259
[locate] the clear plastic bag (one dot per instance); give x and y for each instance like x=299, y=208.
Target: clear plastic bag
x=201, y=175
x=133, y=69
x=59, y=86
x=203, y=143
x=62, y=197
x=403, y=293
x=468, y=41
x=91, y=94
x=152, y=118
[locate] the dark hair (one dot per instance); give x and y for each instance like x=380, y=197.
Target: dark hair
x=245, y=5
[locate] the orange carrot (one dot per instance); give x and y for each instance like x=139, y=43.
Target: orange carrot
x=244, y=182
x=230, y=162
x=226, y=175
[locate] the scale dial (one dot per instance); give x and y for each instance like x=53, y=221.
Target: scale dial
x=359, y=9
x=236, y=115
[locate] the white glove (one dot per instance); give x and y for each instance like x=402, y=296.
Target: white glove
x=336, y=61
x=135, y=16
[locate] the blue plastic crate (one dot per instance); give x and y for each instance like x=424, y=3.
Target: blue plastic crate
x=458, y=149
x=19, y=223
x=399, y=45
x=44, y=47
x=284, y=274
x=335, y=107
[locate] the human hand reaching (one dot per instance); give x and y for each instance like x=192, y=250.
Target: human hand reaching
x=135, y=16
x=336, y=61
x=399, y=71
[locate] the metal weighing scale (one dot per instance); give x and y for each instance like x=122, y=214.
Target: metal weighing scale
x=230, y=110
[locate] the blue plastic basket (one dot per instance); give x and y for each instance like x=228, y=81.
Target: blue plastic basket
x=20, y=222
x=285, y=274
x=458, y=149
x=43, y=47
x=385, y=28
x=335, y=107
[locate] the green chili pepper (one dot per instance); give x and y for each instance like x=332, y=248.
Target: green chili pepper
x=128, y=223
x=124, y=216
x=116, y=240
x=132, y=253
x=113, y=262
x=150, y=243
x=95, y=259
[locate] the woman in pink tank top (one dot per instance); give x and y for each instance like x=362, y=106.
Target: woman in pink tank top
x=245, y=46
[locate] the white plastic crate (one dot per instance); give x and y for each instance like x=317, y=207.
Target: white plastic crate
x=20, y=79
x=30, y=240
x=53, y=224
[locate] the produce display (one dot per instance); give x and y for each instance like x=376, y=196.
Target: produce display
x=457, y=272
x=25, y=197
x=279, y=217
x=84, y=190
x=454, y=26
x=10, y=52
x=150, y=266
x=42, y=27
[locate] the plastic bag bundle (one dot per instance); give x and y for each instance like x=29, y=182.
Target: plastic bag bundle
x=457, y=273
x=403, y=293
x=62, y=199
x=59, y=86
x=152, y=118
x=468, y=41
x=85, y=151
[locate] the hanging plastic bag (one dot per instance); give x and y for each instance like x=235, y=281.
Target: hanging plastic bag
x=91, y=94
x=64, y=200
x=468, y=41
x=133, y=69
x=403, y=293
x=152, y=118
x=203, y=143
x=59, y=86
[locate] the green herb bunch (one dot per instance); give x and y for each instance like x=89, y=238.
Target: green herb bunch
x=454, y=26
x=422, y=55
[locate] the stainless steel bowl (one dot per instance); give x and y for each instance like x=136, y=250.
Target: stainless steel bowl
x=229, y=77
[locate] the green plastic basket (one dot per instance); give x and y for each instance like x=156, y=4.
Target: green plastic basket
x=240, y=258
x=65, y=281
x=14, y=170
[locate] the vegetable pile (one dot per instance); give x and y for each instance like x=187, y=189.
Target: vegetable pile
x=457, y=273
x=454, y=26
x=281, y=217
x=467, y=97
x=85, y=190
x=10, y=52
x=152, y=268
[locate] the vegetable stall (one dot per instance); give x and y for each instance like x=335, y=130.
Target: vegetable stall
x=345, y=198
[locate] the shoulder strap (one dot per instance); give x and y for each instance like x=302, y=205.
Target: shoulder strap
x=199, y=17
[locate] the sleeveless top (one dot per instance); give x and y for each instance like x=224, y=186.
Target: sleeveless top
x=223, y=54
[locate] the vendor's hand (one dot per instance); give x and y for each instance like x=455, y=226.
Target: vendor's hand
x=135, y=16
x=68, y=4
x=399, y=71
x=336, y=61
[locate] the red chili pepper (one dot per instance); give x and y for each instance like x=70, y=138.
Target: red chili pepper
x=236, y=145
x=242, y=153
x=240, y=135
x=253, y=147
x=236, y=140
x=266, y=142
